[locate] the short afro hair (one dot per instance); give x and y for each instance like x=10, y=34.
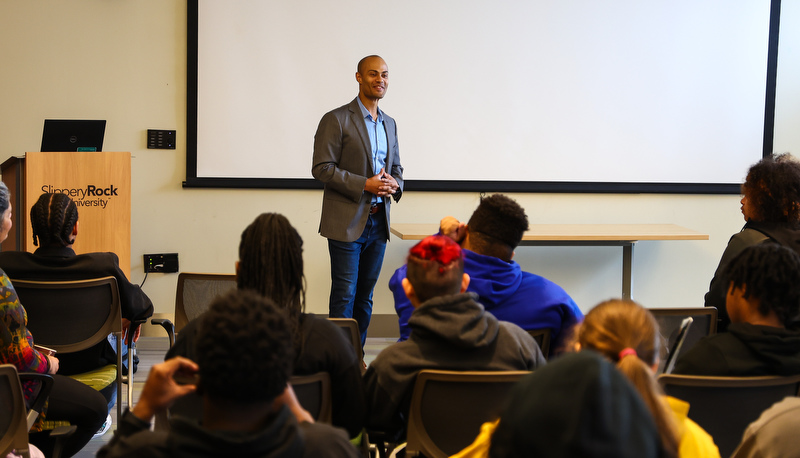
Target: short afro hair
x=244, y=348
x=498, y=220
x=769, y=274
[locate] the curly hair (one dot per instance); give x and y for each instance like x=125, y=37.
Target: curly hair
x=770, y=275
x=435, y=267
x=773, y=188
x=52, y=218
x=243, y=348
x=616, y=325
x=496, y=226
x=271, y=263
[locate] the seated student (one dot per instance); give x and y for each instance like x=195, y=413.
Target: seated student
x=54, y=223
x=771, y=209
x=579, y=405
x=627, y=335
x=774, y=433
x=450, y=330
x=244, y=361
x=69, y=400
x=489, y=240
x=763, y=301
x=271, y=263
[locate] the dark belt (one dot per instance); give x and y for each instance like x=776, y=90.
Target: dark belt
x=375, y=208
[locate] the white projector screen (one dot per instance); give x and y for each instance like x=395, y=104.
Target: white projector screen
x=573, y=95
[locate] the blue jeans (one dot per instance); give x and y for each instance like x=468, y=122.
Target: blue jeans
x=355, y=267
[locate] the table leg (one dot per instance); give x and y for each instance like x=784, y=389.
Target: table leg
x=627, y=271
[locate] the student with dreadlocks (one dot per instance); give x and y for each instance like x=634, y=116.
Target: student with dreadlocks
x=450, y=330
x=763, y=303
x=271, y=263
x=54, y=223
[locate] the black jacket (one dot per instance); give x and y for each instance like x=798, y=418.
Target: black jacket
x=751, y=234
x=745, y=350
x=282, y=437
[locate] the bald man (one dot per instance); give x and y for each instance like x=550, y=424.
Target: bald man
x=356, y=156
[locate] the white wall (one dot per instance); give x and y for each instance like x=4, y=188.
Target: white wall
x=125, y=61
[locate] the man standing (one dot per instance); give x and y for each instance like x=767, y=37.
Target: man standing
x=356, y=156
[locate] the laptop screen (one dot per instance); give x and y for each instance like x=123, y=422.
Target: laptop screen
x=73, y=135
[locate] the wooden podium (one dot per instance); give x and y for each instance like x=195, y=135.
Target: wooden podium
x=98, y=182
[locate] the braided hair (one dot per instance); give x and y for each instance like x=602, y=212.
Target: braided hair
x=53, y=217
x=271, y=263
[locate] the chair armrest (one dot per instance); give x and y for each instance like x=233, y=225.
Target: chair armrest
x=59, y=435
x=384, y=442
x=168, y=326
x=40, y=396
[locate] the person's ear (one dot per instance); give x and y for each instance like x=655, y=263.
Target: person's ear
x=75, y=229
x=410, y=293
x=236, y=267
x=464, y=282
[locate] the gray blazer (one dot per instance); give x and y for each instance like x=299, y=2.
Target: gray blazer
x=343, y=162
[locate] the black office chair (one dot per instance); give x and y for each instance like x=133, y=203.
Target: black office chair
x=669, y=321
x=449, y=407
x=193, y=296
x=70, y=316
x=542, y=337
x=724, y=406
x=16, y=421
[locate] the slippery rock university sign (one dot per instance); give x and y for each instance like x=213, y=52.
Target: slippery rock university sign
x=100, y=185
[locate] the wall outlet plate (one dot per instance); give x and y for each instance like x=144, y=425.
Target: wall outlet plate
x=164, y=263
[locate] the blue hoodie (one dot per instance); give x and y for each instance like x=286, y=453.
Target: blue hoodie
x=508, y=293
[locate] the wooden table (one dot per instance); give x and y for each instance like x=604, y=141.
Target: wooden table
x=624, y=235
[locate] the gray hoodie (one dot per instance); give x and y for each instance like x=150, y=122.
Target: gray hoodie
x=447, y=333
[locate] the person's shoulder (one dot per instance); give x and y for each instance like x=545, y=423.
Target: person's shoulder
x=326, y=441
x=319, y=325
x=9, y=255
x=105, y=256
x=515, y=331
x=144, y=444
x=346, y=109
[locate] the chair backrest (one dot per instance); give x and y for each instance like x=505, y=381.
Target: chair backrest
x=312, y=391
x=669, y=321
x=70, y=316
x=13, y=422
x=314, y=394
x=449, y=407
x=724, y=406
x=542, y=337
x=349, y=327
x=196, y=292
